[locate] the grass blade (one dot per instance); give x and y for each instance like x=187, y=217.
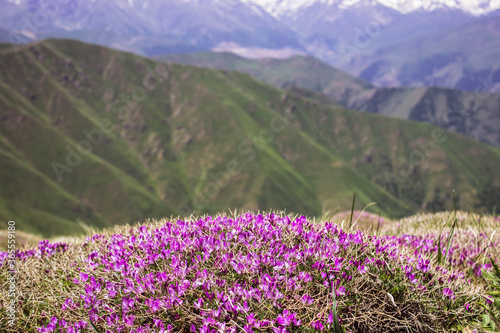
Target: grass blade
x=378, y=222
x=495, y=268
x=439, y=254
x=336, y=325
x=352, y=210
x=454, y=208
x=95, y=329
x=450, y=238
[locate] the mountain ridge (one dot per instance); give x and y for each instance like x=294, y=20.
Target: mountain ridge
x=346, y=34
x=442, y=62
x=291, y=7
x=468, y=113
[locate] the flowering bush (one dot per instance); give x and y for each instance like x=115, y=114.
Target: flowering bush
x=248, y=273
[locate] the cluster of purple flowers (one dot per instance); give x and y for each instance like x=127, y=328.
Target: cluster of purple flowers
x=461, y=254
x=63, y=324
x=249, y=273
x=44, y=250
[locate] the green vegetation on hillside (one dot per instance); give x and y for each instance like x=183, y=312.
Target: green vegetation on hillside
x=469, y=113
x=170, y=139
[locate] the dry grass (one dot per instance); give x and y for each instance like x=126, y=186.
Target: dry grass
x=23, y=240
x=383, y=299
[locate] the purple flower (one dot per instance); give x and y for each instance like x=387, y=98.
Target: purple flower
x=129, y=286
x=318, y=326
x=68, y=305
x=111, y=288
x=246, y=308
x=81, y=325
x=112, y=319
x=153, y=304
x=50, y=327
x=127, y=304
x=285, y=319
x=251, y=319
x=338, y=265
x=84, y=277
x=63, y=323
x=307, y=299
x=158, y=323
x=330, y=318
x=129, y=320
x=248, y=329
x=448, y=292
x=198, y=304
x=93, y=316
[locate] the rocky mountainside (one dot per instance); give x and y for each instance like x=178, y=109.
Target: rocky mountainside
x=470, y=113
x=463, y=57
x=151, y=27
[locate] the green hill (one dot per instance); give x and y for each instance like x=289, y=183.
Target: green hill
x=106, y=137
x=474, y=114
x=304, y=72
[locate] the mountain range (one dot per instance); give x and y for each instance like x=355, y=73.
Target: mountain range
x=451, y=44
x=97, y=136
x=470, y=113
x=292, y=8
x=150, y=27
x=464, y=57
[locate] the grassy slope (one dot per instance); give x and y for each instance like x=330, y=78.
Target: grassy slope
x=174, y=144
x=4, y=46
x=468, y=113
x=305, y=72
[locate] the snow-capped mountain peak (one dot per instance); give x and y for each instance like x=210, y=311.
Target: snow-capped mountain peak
x=289, y=7
x=279, y=8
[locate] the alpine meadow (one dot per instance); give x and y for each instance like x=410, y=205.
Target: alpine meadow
x=249, y=166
